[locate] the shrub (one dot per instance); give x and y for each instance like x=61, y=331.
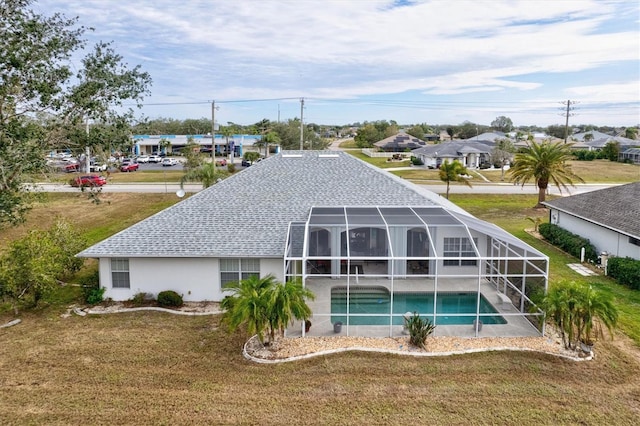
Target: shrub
x=567, y=241
x=141, y=298
x=231, y=167
x=169, y=298
x=419, y=329
x=416, y=161
x=625, y=270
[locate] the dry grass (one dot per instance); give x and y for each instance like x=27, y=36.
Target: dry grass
x=153, y=368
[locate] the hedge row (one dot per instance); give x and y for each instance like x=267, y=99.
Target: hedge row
x=571, y=243
x=625, y=270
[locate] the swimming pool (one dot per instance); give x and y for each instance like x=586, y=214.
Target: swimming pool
x=371, y=306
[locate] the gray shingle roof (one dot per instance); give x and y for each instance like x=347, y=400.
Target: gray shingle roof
x=453, y=149
x=616, y=208
x=247, y=215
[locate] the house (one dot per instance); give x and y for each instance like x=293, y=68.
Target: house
x=609, y=218
x=468, y=152
x=351, y=232
x=400, y=142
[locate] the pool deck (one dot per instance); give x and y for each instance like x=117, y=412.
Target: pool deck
x=517, y=325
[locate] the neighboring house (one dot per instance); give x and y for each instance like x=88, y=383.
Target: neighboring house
x=470, y=153
x=609, y=218
x=600, y=143
x=630, y=155
x=345, y=229
x=400, y=142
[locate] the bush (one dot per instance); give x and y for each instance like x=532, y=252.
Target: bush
x=625, y=270
x=419, y=329
x=169, y=298
x=567, y=241
x=416, y=161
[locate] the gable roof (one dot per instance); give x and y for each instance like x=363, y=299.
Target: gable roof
x=616, y=208
x=400, y=142
x=453, y=149
x=247, y=214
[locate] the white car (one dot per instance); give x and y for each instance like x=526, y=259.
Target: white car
x=97, y=167
x=143, y=159
x=155, y=159
x=169, y=161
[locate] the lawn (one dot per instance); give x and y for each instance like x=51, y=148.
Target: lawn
x=155, y=368
x=598, y=171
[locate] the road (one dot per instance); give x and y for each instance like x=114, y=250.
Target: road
x=439, y=188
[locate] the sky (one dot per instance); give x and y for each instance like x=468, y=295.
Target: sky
x=435, y=62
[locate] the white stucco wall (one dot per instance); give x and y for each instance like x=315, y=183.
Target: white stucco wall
x=196, y=279
x=602, y=238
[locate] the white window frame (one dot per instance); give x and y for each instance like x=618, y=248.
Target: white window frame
x=459, y=247
x=233, y=270
x=120, y=277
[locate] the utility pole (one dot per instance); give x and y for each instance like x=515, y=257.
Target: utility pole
x=301, y=124
x=567, y=115
x=213, y=132
x=87, y=152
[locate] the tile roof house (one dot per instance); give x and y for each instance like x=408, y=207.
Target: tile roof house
x=468, y=152
x=341, y=226
x=609, y=218
x=400, y=143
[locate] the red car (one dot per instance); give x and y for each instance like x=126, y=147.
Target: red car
x=221, y=162
x=72, y=167
x=88, y=180
x=129, y=167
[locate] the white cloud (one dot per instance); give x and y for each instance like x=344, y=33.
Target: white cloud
x=249, y=49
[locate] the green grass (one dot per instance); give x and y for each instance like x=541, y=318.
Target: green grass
x=155, y=368
x=380, y=161
x=511, y=211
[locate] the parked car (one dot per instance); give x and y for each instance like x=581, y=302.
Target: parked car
x=142, y=159
x=70, y=167
x=97, y=167
x=129, y=166
x=88, y=180
x=245, y=163
x=168, y=161
x=221, y=162
x=155, y=159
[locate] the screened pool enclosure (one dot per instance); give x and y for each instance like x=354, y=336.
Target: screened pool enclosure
x=371, y=266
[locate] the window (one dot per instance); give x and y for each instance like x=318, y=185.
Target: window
x=459, y=247
x=238, y=269
x=634, y=241
x=120, y=273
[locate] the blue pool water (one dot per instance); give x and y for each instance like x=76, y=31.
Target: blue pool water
x=376, y=303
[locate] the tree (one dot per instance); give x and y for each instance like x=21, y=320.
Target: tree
x=503, y=152
x=611, y=151
x=31, y=266
x=191, y=153
x=227, y=132
x=453, y=172
x=287, y=302
x=36, y=78
x=630, y=133
x=206, y=173
x=556, y=130
x=502, y=124
x=265, y=305
x=588, y=137
x=573, y=307
x=251, y=156
x=544, y=163
x=451, y=131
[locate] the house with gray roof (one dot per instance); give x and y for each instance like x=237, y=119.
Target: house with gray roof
x=400, y=143
x=369, y=245
x=609, y=218
x=468, y=152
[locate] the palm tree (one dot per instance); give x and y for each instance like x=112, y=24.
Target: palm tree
x=248, y=304
x=264, y=303
x=453, y=172
x=544, y=163
x=288, y=303
x=206, y=173
x=573, y=307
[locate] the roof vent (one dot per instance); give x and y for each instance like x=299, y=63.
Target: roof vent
x=328, y=156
